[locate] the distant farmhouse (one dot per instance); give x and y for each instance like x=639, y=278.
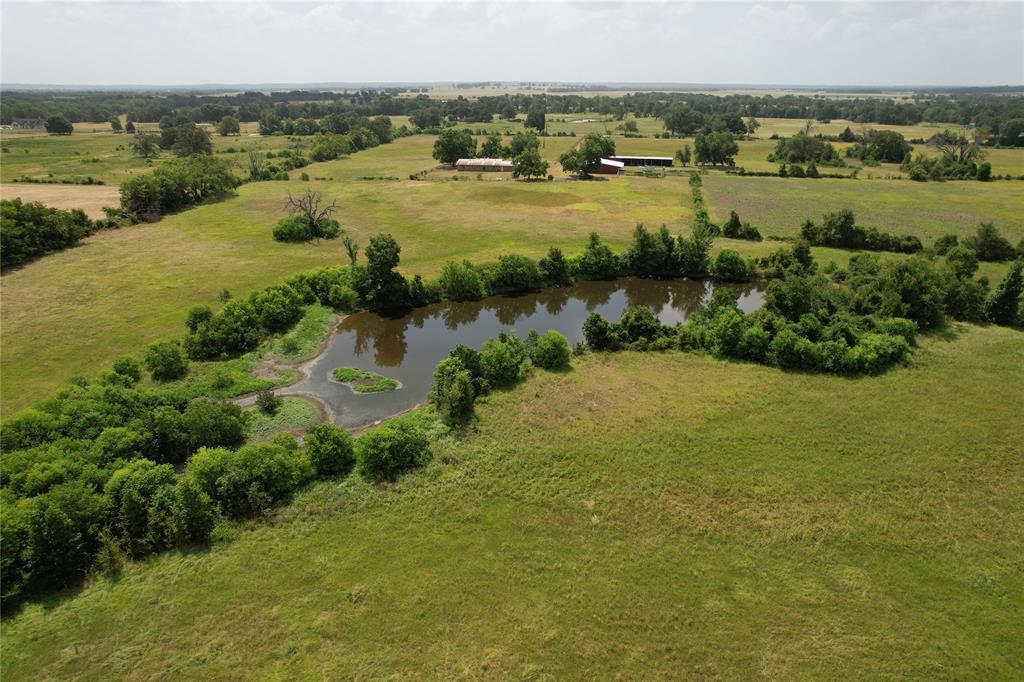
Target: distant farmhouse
x=494, y=165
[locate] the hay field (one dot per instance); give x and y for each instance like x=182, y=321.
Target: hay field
x=89, y=198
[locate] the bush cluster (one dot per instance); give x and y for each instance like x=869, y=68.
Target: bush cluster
x=503, y=362
x=734, y=229
x=29, y=230
x=840, y=230
x=176, y=184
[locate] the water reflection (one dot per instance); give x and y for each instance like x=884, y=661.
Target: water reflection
x=382, y=344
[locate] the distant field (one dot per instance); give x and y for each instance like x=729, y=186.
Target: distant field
x=665, y=512
x=926, y=209
x=107, y=156
x=134, y=285
x=90, y=198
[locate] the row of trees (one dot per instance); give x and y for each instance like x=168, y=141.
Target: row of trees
x=998, y=110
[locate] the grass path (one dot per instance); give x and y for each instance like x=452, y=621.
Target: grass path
x=668, y=513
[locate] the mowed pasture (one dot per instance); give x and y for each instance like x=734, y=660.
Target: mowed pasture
x=676, y=514
x=75, y=311
x=926, y=209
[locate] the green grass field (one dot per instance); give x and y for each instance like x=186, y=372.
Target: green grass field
x=926, y=209
x=75, y=311
x=669, y=513
x=107, y=156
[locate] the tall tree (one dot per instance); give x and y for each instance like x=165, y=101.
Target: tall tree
x=454, y=144
x=536, y=118
x=229, y=125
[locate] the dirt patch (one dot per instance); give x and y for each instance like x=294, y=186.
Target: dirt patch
x=89, y=198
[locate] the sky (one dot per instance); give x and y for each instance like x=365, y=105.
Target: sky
x=779, y=43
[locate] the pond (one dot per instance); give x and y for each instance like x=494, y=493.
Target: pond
x=408, y=348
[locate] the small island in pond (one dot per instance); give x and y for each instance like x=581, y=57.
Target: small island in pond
x=362, y=381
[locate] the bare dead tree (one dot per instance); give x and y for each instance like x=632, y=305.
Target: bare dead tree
x=808, y=126
x=310, y=206
x=351, y=248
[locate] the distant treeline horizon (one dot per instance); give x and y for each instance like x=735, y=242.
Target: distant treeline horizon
x=981, y=107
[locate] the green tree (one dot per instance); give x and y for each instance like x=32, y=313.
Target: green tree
x=58, y=125
x=164, y=361
x=1011, y=132
x=383, y=288
x=529, y=164
x=115, y=124
x=145, y=145
x=330, y=450
x=429, y=117
x=523, y=141
x=453, y=392
x=492, y=148
x=388, y=450
x=587, y=155
x=460, y=282
x=681, y=119
x=229, y=126
x=129, y=128
x=551, y=351
x=454, y=144
x=536, y=118
x=718, y=149
x=1003, y=306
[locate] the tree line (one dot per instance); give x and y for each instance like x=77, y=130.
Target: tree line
x=1002, y=114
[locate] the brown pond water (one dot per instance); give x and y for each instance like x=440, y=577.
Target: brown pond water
x=408, y=348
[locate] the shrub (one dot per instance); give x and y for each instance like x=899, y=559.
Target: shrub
x=597, y=261
x=503, y=361
x=551, y=351
x=164, y=361
x=267, y=402
x=638, y=323
x=453, y=391
x=730, y=265
x=734, y=229
x=175, y=184
x=598, y=333
x=989, y=244
x=554, y=268
x=460, y=282
x=341, y=297
x=62, y=537
x=129, y=498
x=235, y=330
x=27, y=430
x=117, y=443
x=29, y=230
x=293, y=229
x=277, y=307
x=1003, y=306
x=392, y=448
x=329, y=448
x=513, y=274
x=248, y=480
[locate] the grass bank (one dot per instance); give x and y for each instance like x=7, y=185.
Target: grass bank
x=665, y=513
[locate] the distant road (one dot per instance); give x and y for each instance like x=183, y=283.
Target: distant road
x=89, y=198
